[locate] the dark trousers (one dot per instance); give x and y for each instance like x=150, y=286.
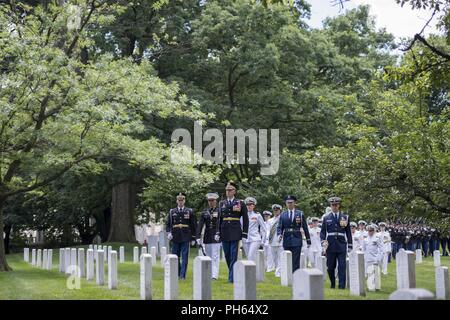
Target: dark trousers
x=433, y=246
x=395, y=248
x=230, y=249
x=181, y=249
x=444, y=243
x=332, y=259
x=425, y=247
x=296, y=252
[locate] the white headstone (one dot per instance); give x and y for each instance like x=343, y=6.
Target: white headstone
x=321, y=264
x=307, y=284
x=146, y=277
x=153, y=254
x=100, y=268
x=90, y=265
x=244, y=274
x=44, y=258
x=26, y=254
x=152, y=241
x=347, y=273
x=442, y=283
x=163, y=241
x=240, y=254
x=163, y=255
x=112, y=270
x=260, y=265
x=62, y=268
x=81, y=264
x=39, y=258
x=67, y=260
x=122, y=254
x=73, y=257
x=105, y=255
x=171, y=277
x=406, y=270
x=357, y=274
x=437, y=258
x=91, y=246
x=418, y=256
x=33, y=257
x=135, y=255
x=50, y=259
x=411, y=294
x=286, y=268
x=202, y=278
x=143, y=250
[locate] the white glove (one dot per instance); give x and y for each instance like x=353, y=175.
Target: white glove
x=169, y=236
x=193, y=242
x=217, y=237
x=199, y=241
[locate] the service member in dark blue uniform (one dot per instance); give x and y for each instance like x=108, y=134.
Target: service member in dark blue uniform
x=336, y=237
x=209, y=219
x=229, y=229
x=181, y=228
x=291, y=222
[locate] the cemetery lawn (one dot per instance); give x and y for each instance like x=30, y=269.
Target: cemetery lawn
x=27, y=282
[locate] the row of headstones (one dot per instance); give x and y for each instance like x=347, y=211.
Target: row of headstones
x=436, y=257
x=355, y=272
x=39, y=258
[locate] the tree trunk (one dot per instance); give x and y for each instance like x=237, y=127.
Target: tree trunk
x=122, y=216
x=3, y=263
x=7, y=228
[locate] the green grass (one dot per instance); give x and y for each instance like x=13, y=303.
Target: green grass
x=27, y=282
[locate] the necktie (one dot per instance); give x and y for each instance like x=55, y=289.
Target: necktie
x=291, y=215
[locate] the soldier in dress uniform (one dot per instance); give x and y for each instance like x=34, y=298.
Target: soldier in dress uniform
x=360, y=235
x=386, y=239
x=316, y=247
x=274, y=241
x=209, y=219
x=336, y=236
x=267, y=252
x=229, y=228
x=181, y=227
x=256, y=235
x=291, y=222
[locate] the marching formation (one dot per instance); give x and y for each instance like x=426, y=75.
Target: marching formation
x=226, y=224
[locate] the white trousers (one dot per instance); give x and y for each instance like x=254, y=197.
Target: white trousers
x=373, y=277
x=312, y=256
x=384, y=262
x=250, y=249
x=268, y=258
x=276, y=258
x=213, y=251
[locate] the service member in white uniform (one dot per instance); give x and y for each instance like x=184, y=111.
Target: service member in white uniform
x=387, y=244
x=373, y=253
x=256, y=230
x=276, y=247
x=316, y=247
x=373, y=247
x=360, y=235
x=267, y=252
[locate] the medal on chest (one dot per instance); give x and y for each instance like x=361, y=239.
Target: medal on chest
x=343, y=222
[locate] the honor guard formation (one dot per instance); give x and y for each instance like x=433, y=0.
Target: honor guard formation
x=223, y=225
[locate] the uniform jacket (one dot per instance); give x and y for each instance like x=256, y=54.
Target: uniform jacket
x=315, y=239
x=337, y=232
x=182, y=224
x=229, y=227
x=359, y=237
x=209, y=219
x=373, y=249
x=386, y=240
x=256, y=228
x=272, y=231
x=290, y=229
